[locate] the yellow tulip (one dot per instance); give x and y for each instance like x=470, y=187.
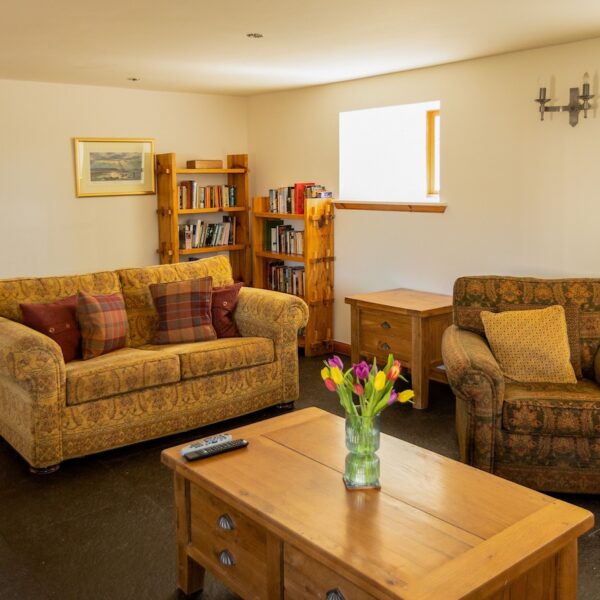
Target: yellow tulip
x=336, y=375
x=324, y=373
x=405, y=396
x=379, y=382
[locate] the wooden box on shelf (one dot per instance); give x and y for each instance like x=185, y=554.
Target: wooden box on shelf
x=308, y=273
x=171, y=215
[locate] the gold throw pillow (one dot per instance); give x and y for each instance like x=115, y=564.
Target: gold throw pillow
x=531, y=345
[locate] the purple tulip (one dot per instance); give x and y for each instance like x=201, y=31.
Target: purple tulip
x=361, y=370
x=393, y=397
x=336, y=361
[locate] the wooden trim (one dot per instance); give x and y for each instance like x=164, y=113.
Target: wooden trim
x=431, y=189
x=342, y=348
x=425, y=207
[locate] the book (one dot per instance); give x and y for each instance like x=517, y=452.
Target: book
x=204, y=164
x=299, y=197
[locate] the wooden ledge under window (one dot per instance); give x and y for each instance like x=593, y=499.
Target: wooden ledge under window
x=426, y=207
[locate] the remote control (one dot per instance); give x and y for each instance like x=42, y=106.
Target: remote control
x=213, y=440
x=215, y=449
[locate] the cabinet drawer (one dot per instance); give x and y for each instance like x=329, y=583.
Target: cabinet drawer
x=381, y=333
x=306, y=579
x=232, y=546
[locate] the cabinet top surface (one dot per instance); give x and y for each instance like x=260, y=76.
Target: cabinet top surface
x=434, y=523
x=405, y=301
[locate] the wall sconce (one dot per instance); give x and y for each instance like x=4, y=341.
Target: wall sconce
x=574, y=106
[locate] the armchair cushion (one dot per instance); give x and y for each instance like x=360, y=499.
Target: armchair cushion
x=552, y=409
x=531, y=345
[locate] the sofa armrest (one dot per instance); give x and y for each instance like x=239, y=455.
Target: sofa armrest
x=478, y=384
x=32, y=392
x=597, y=366
x=276, y=316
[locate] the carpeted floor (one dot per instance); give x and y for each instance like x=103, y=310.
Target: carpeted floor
x=103, y=527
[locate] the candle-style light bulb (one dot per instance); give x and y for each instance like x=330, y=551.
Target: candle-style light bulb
x=586, y=84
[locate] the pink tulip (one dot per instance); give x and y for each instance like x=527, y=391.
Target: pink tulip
x=330, y=384
x=359, y=390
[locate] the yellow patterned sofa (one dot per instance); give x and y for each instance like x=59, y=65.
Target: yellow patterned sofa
x=50, y=411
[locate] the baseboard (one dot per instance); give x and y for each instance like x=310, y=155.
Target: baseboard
x=341, y=348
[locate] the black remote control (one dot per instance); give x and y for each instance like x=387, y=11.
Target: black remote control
x=216, y=449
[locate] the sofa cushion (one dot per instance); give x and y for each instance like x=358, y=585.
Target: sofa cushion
x=103, y=323
x=121, y=371
x=552, y=408
x=224, y=301
x=218, y=356
x=184, y=311
x=531, y=345
x=58, y=321
x=141, y=312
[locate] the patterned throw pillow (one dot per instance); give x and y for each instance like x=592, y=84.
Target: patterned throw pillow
x=224, y=301
x=58, y=321
x=184, y=311
x=531, y=345
x=103, y=323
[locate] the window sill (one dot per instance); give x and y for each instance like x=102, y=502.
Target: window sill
x=426, y=207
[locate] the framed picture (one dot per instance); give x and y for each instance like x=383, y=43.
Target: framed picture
x=114, y=166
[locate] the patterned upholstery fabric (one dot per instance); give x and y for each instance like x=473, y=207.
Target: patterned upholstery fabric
x=119, y=372
x=530, y=345
x=184, y=311
x=36, y=419
x=142, y=314
x=544, y=436
x=103, y=323
x=219, y=356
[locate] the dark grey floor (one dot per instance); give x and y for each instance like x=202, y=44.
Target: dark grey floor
x=103, y=527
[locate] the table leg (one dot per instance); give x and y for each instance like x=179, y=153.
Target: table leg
x=354, y=332
x=566, y=585
x=190, y=573
x=419, y=369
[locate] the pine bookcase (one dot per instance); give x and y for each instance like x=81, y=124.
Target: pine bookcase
x=170, y=216
x=318, y=261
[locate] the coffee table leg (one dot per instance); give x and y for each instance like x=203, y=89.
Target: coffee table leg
x=190, y=573
x=567, y=572
x=419, y=366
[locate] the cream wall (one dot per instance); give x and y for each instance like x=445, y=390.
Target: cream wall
x=44, y=228
x=523, y=196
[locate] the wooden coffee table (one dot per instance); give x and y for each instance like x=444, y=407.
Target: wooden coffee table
x=274, y=520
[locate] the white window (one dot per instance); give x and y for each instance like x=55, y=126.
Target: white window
x=390, y=154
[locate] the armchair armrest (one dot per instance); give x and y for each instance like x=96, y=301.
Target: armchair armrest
x=32, y=393
x=279, y=317
x=597, y=366
x=478, y=384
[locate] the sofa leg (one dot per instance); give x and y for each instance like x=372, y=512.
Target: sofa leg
x=44, y=470
x=285, y=406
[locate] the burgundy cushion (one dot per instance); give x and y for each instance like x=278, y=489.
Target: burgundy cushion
x=103, y=323
x=57, y=320
x=183, y=311
x=224, y=301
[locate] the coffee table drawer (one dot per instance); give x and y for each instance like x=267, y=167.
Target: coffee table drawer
x=304, y=578
x=382, y=333
x=231, y=545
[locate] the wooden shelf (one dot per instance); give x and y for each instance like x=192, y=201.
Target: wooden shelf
x=171, y=217
x=270, y=215
x=280, y=256
x=317, y=223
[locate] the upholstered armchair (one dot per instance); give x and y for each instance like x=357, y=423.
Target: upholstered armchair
x=542, y=435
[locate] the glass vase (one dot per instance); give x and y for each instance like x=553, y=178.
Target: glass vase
x=362, y=463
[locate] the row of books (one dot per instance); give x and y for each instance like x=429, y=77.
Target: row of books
x=290, y=200
x=282, y=238
x=200, y=234
x=283, y=278
x=191, y=195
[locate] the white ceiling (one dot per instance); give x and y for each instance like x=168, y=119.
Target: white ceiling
x=201, y=46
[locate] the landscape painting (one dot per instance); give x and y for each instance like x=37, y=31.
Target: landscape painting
x=114, y=166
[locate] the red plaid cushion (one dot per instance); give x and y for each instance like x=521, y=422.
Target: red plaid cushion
x=183, y=311
x=103, y=323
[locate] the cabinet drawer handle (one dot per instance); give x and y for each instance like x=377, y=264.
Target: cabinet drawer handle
x=384, y=345
x=226, y=558
x=335, y=594
x=226, y=522
x=386, y=325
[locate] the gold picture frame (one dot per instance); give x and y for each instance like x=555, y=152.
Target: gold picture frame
x=114, y=166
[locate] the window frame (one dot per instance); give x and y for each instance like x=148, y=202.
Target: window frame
x=431, y=151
